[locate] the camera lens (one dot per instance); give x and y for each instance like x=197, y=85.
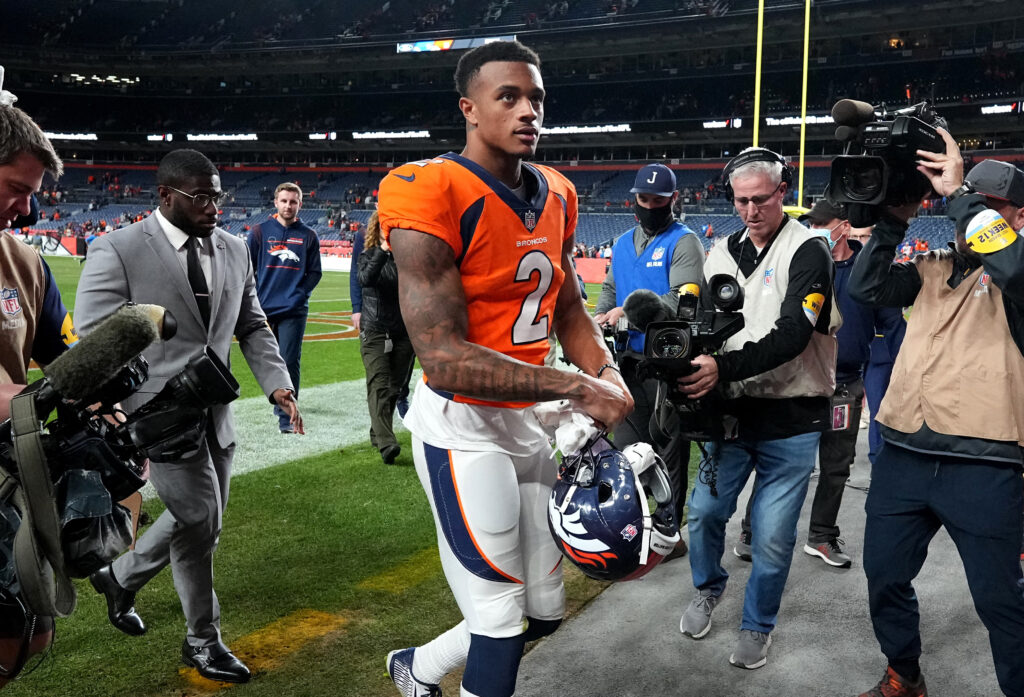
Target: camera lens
x=671, y=343
x=863, y=183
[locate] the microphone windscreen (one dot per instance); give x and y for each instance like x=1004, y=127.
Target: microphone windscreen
x=851, y=112
x=97, y=357
x=645, y=306
x=845, y=133
x=689, y=289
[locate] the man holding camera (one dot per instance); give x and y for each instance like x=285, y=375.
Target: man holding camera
x=180, y=259
x=663, y=255
x=778, y=375
x=953, y=418
x=36, y=324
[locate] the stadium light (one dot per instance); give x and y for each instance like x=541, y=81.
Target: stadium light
x=222, y=136
x=381, y=135
x=70, y=136
x=574, y=130
x=449, y=44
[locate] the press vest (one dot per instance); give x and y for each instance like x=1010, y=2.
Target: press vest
x=22, y=286
x=959, y=369
x=649, y=270
x=810, y=374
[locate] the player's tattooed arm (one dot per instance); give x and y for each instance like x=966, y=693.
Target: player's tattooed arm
x=434, y=310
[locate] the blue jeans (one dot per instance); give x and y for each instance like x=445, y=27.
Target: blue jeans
x=289, y=331
x=783, y=468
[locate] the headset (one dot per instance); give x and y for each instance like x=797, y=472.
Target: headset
x=755, y=155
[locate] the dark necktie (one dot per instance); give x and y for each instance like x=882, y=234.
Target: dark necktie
x=197, y=279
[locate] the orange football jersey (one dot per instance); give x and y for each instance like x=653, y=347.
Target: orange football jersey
x=509, y=251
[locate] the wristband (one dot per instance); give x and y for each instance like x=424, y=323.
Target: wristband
x=605, y=367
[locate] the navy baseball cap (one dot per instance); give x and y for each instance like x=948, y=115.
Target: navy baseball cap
x=998, y=179
x=654, y=179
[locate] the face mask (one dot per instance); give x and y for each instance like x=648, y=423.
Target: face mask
x=827, y=234
x=653, y=220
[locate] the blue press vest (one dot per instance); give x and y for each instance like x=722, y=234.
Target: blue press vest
x=649, y=270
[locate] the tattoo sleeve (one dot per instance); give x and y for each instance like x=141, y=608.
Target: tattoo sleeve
x=434, y=310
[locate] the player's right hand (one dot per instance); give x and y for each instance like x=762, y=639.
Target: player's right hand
x=606, y=401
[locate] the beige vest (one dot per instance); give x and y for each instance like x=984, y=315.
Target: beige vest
x=813, y=372
x=959, y=368
x=21, y=296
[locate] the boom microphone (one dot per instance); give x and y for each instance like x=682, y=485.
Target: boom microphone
x=645, y=306
x=98, y=357
x=850, y=112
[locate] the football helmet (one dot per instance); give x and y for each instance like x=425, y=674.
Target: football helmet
x=600, y=511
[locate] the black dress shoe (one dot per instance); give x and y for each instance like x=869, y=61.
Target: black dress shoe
x=120, y=602
x=223, y=667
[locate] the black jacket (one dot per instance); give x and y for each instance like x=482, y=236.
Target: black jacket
x=378, y=277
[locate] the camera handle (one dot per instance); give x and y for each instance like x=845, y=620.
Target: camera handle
x=38, y=558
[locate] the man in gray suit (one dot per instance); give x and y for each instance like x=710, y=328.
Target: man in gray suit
x=180, y=259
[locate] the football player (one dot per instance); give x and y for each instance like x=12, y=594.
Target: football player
x=483, y=242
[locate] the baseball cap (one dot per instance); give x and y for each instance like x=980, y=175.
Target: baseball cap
x=999, y=180
x=654, y=179
x=822, y=212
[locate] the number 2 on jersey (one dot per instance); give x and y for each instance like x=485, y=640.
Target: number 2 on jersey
x=528, y=326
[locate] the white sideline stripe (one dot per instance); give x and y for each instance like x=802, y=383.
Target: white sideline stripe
x=335, y=416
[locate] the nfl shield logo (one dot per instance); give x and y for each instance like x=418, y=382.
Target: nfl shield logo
x=530, y=220
x=657, y=254
x=768, y=275
x=9, y=301
x=629, y=532
x=984, y=280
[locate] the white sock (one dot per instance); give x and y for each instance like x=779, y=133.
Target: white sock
x=463, y=692
x=437, y=658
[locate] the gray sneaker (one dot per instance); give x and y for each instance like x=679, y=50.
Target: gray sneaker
x=831, y=552
x=742, y=548
x=751, y=649
x=696, y=621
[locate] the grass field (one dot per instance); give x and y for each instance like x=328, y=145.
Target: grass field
x=324, y=565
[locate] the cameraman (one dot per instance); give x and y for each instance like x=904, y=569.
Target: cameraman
x=953, y=417
x=660, y=254
x=778, y=374
x=36, y=323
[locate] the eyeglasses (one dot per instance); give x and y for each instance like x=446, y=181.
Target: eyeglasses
x=203, y=200
x=758, y=201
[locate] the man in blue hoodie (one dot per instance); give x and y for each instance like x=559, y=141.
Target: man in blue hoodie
x=286, y=260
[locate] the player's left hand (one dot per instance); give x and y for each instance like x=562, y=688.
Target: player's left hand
x=286, y=400
x=702, y=380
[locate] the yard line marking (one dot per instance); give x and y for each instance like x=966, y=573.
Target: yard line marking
x=266, y=649
x=335, y=417
x=412, y=572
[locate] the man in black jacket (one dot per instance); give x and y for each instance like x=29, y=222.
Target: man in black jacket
x=952, y=419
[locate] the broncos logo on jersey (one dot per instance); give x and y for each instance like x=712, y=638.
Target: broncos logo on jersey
x=283, y=253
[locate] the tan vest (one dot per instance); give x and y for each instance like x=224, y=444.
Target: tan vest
x=959, y=368
x=22, y=286
x=813, y=372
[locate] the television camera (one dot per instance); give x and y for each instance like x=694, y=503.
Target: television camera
x=884, y=173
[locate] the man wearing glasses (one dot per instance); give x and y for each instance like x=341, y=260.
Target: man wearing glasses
x=778, y=375
x=180, y=259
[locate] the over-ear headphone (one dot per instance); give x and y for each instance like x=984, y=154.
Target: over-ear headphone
x=755, y=155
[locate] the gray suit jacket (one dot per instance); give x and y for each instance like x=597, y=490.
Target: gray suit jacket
x=138, y=263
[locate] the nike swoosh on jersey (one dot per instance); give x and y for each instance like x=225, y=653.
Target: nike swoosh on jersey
x=410, y=178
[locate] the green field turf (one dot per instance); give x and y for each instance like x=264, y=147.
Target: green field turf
x=297, y=537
